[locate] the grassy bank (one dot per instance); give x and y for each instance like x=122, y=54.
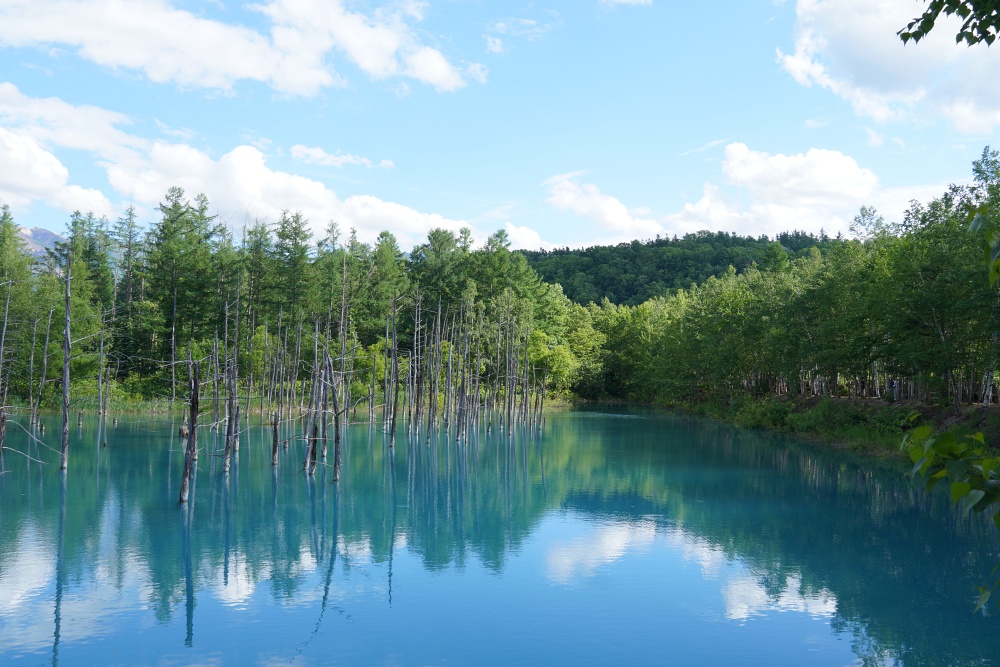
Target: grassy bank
x=871, y=426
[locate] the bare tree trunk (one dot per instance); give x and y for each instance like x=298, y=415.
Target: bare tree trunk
x=63, y=460
x=325, y=405
x=395, y=378
x=192, y=439
x=215, y=375
x=310, y=421
x=173, y=349
x=274, y=441
x=100, y=370
x=336, y=429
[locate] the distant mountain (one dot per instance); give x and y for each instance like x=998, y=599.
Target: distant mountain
x=37, y=240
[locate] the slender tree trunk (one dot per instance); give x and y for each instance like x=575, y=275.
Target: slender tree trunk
x=274, y=441
x=192, y=439
x=395, y=379
x=100, y=370
x=173, y=349
x=67, y=341
x=336, y=430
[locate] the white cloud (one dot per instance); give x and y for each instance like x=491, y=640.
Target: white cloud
x=566, y=194
x=168, y=44
x=179, y=133
x=238, y=183
x=317, y=155
x=530, y=29
x=714, y=211
x=525, y=238
x=874, y=138
x=28, y=172
x=808, y=191
x=816, y=177
x=764, y=193
x=477, y=71
x=519, y=28
x=701, y=149
x=52, y=121
x=865, y=63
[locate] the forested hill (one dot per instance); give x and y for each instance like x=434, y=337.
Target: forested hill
x=632, y=273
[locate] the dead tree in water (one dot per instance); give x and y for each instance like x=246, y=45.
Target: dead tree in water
x=232, y=418
x=324, y=408
x=64, y=455
x=192, y=438
x=395, y=379
x=311, y=426
x=274, y=441
x=336, y=426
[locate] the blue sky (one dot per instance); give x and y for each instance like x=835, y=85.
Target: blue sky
x=564, y=123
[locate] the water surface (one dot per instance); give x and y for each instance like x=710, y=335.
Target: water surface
x=605, y=538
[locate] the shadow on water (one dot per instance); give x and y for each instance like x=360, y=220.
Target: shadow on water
x=902, y=566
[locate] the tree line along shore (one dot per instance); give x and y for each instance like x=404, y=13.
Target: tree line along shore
x=900, y=317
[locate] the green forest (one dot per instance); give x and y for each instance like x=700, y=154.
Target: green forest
x=632, y=273
x=902, y=312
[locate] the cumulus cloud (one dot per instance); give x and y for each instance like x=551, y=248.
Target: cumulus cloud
x=525, y=238
x=812, y=190
x=763, y=193
x=239, y=183
x=28, y=172
x=611, y=215
x=51, y=120
x=865, y=63
x=168, y=44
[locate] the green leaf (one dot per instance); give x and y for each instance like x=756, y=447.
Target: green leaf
x=972, y=498
x=959, y=490
x=958, y=469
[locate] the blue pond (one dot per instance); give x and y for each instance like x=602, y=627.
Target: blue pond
x=603, y=538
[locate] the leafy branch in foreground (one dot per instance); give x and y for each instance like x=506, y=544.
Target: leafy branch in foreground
x=980, y=20
x=970, y=470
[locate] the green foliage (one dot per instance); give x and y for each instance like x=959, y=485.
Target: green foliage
x=980, y=21
x=968, y=468
x=632, y=273
x=766, y=413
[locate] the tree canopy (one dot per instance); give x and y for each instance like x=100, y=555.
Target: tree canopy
x=980, y=21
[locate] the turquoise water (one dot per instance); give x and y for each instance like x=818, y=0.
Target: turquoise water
x=604, y=539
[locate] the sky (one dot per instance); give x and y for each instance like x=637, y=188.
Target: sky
x=562, y=122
